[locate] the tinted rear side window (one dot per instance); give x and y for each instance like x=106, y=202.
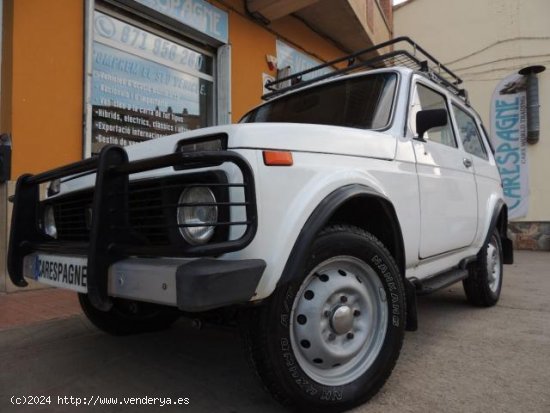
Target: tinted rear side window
x=469, y=134
x=362, y=102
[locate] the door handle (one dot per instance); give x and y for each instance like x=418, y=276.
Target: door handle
x=467, y=162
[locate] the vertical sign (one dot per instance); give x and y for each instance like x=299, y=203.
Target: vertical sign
x=509, y=137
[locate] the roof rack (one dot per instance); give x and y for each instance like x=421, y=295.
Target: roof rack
x=417, y=59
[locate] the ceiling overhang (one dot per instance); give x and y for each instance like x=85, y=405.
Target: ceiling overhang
x=344, y=21
x=272, y=10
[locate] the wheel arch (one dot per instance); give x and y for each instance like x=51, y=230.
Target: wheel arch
x=342, y=206
x=499, y=221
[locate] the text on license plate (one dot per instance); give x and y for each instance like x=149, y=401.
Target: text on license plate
x=59, y=271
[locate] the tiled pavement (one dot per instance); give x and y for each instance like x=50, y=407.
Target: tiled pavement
x=461, y=359
x=29, y=307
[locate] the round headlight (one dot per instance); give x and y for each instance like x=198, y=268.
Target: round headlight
x=194, y=215
x=49, y=222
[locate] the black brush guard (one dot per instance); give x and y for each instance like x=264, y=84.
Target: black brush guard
x=108, y=241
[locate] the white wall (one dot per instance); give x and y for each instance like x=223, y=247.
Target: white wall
x=483, y=41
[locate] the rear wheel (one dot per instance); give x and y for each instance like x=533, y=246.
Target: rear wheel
x=329, y=340
x=484, y=282
x=129, y=317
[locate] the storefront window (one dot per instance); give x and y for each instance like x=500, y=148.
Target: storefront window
x=292, y=61
x=145, y=86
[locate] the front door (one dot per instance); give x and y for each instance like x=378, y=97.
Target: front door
x=448, y=197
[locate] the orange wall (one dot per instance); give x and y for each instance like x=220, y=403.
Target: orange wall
x=251, y=42
x=47, y=94
x=47, y=67
x=249, y=45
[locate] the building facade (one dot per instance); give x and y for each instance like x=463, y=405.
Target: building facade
x=79, y=74
x=487, y=43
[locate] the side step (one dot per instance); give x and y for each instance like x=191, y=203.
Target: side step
x=439, y=281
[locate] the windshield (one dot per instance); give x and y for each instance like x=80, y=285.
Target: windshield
x=360, y=102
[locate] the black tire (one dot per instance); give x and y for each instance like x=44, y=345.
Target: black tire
x=129, y=317
x=480, y=287
x=267, y=329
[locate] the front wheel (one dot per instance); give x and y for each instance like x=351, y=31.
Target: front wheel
x=329, y=340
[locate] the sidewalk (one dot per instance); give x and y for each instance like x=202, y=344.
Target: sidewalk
x=30, y=307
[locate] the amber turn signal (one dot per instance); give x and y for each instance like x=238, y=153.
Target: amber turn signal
x=278, y=158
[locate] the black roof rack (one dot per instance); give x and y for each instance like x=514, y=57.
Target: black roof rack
x=415, y=58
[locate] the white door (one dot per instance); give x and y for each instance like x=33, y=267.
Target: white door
x=474, y=142
x=448, y=197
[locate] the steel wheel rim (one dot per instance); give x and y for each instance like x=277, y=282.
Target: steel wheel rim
x=493, y=265
x=335, y=340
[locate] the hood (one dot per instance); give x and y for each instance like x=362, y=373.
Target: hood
x=282, y=136
x=278, y=136
x=314, y=138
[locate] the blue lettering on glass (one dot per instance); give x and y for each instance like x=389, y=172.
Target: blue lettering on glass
x=508, y=153
x=135, y=99
x=145, y=86
x=195, y=13
x=132, y=82
x=114, y=32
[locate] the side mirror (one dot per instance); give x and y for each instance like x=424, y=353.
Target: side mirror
x=427, y=119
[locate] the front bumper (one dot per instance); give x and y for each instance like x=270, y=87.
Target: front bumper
x=112, y=241
x=189, y=284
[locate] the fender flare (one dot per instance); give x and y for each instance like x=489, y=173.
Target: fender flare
x=317, y=221
x=320, y=217
x=507, y=246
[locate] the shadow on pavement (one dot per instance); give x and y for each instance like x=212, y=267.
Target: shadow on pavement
x=70, y=358
x=461, y=359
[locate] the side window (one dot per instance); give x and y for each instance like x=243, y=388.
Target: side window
x=425, y=98
x=469, y=134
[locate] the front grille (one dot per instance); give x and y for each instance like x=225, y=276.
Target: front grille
x=71, y=218
x=119, y=227
x=147, y=214
x=151, y=210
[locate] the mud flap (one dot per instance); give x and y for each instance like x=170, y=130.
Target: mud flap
x=412, y=314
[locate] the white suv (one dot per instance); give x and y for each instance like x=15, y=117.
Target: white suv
x=318, y=218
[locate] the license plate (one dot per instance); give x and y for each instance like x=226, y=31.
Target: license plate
x=61, y=271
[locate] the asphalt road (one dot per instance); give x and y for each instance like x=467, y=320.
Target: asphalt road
x=462, y=359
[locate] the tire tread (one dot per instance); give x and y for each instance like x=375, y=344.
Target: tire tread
x=256, y=339
x=475, y=286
